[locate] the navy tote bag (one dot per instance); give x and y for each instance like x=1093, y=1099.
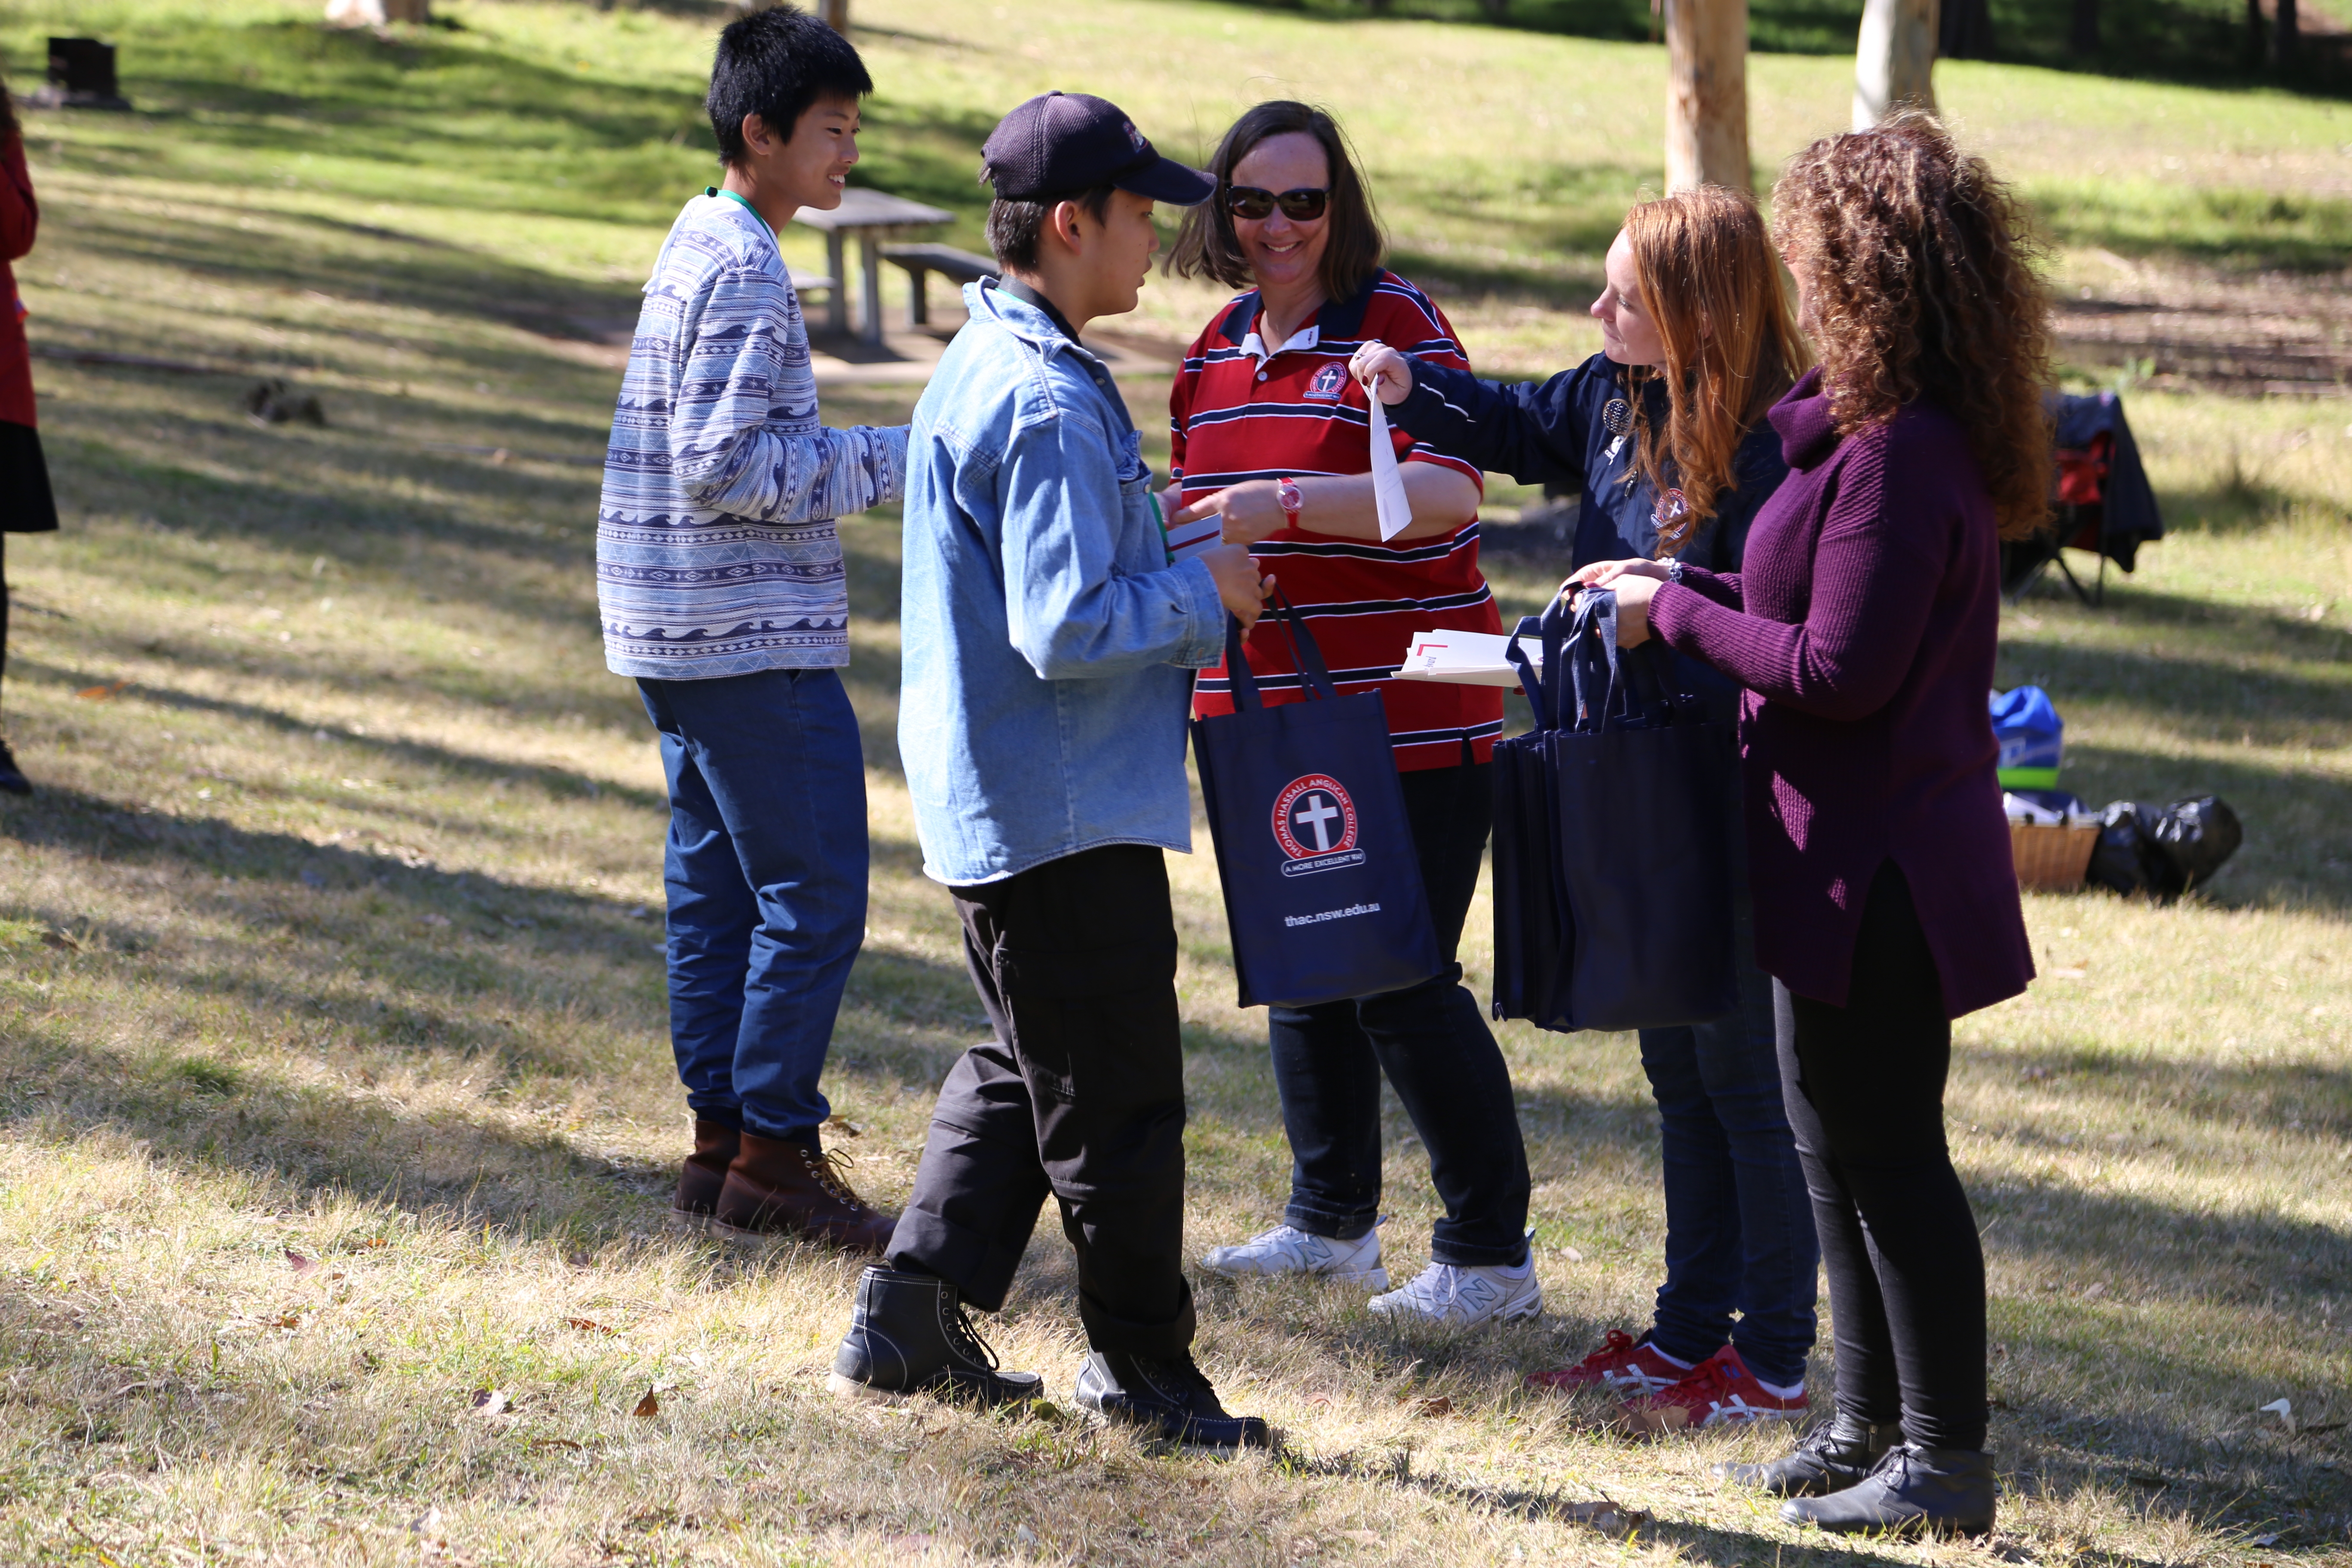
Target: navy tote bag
x=1534, y=945
x=1323, y=892
x=1635, y=774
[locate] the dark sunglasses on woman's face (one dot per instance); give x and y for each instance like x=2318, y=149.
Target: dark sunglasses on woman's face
x=1303, y=204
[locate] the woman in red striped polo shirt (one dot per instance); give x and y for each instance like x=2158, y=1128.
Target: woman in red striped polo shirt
x=1272, y=447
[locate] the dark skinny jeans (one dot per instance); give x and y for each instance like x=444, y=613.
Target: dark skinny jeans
x=1433, y=1042
x=1864, y=1085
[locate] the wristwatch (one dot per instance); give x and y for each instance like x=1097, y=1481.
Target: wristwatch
x=1286, y=492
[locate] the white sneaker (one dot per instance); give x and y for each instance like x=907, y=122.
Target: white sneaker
x=1462, y=1296
x=1285, y=1250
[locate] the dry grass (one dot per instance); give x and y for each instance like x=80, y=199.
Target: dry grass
x=336, y=1118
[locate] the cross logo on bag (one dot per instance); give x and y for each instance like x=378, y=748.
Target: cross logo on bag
x=1314, y=824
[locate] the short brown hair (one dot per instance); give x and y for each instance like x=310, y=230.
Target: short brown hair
x=1919, y=265
x=1206, y=247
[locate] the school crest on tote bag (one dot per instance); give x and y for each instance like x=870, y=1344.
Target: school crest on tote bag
x=1315, y=823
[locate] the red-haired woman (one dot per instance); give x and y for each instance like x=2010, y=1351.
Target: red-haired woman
x=25, y=504
x=1270, y=440
x=1863, y=627
x=1664, y=432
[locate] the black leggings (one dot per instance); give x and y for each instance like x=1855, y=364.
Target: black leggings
x=1864, y=1086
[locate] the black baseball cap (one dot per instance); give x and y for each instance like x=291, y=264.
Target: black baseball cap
x=1064, y=143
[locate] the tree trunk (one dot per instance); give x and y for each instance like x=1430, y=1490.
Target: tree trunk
x=1706, y=94
x=1964, y=31
x=1894, y=59
x=2257, y=43
x=836, y=16
x=1497, y=11
x=2083, y=31
x=2286, y=37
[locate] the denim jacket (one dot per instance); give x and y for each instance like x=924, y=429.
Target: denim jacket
x=1047, y=641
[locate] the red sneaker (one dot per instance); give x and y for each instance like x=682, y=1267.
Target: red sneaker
x=1622, y=1362
x=1719, y=1391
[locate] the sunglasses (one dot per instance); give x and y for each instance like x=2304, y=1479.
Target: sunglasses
x=1302, y=206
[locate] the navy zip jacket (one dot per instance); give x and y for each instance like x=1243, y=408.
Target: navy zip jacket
x=1577, y=429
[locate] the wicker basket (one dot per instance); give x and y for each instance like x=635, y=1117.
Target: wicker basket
x=2050, y=860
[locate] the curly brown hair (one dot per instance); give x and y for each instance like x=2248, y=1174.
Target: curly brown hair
x=1916, y=264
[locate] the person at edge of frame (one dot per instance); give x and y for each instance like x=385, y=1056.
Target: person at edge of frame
x=1864, y=626
x=27, y=504
x=721, y=585
x=1664, y=432
x=1269, y=440
x=1049, y=645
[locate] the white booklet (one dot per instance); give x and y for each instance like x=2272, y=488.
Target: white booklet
x=1466, y=658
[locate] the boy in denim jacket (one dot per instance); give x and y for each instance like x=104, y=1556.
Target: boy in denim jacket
x=1048, y=649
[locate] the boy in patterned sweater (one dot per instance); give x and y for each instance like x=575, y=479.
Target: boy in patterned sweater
x=721, y=587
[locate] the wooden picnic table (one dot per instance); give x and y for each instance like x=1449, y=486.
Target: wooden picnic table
x=874, y=216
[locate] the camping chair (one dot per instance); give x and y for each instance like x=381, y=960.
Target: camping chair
x=2101, y=501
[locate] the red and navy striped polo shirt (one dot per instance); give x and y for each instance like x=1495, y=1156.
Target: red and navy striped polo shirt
x=1244, y=410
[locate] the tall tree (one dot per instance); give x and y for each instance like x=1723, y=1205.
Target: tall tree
x=1964, y=31
x=1894, y=59
x=2083, y=31
x=2286, y=37
x=1706, y=94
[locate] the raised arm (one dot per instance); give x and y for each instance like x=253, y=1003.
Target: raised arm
x=1877, y=566
x=731, y=451
x=1532, y=431
x=1071, y=612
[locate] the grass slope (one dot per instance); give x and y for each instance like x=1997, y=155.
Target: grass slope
x=335, y=1112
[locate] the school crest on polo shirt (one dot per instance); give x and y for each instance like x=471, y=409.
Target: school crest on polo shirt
x=1328, y=383
x=1315, y=824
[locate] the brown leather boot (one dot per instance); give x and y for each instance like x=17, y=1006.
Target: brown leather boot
x=778, y=1188
x=703, y=1173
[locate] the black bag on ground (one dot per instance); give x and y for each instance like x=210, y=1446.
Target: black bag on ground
x=1322, y=886
x=1635, y=776
x=2164, y=852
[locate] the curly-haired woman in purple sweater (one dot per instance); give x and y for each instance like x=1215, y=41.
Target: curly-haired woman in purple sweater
x=1863, y=627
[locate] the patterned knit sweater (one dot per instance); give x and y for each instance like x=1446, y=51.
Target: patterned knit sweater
x=716, y=552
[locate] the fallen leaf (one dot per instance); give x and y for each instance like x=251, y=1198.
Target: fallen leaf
x=1655, y=1420
x=491, y=1401
x=1572, y=1255
x=647, y=1407
x=2271, y=1539
x=59, y=941
x=429, y=1520
x=842, y=1124
x=299, y=1264
x=1441, y=1406
x=2069, y=972
x=102, y=693
x=2035, y=1074
x=1607, y=1516
x=2094, y=1293
x=589, y=1324
x=555, y=1443
x=1320, y=1401
x=2324, y=1427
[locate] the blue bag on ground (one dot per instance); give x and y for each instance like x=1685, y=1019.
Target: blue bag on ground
x=1323, y=892
x=2032, y=738
x=1636, y=776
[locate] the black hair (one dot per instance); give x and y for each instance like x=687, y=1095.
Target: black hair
x=775, y=64
x=1206, y=246
x=1016, y=228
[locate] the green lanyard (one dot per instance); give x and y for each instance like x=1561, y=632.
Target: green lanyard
x=736, y=197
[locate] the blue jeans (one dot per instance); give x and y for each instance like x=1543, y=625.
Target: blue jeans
x=1739, y=1222
x=766, y=873
x=1433, y=1043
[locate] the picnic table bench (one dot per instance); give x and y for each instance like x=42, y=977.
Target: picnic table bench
x=920, y=260
x=873, y=217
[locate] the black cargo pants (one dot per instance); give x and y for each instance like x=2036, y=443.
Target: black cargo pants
x=1079, y=1096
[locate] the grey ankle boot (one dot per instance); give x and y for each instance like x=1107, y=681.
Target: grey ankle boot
x=1833, y=1455
x=1915, y=1490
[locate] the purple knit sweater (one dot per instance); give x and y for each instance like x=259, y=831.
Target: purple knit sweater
x=1863, y=627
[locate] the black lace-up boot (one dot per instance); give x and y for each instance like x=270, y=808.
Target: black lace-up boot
x=1167, y=1397
x=1833, y=1455
x=909, y=1334
x=1915, y=1490
x=12, y=777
